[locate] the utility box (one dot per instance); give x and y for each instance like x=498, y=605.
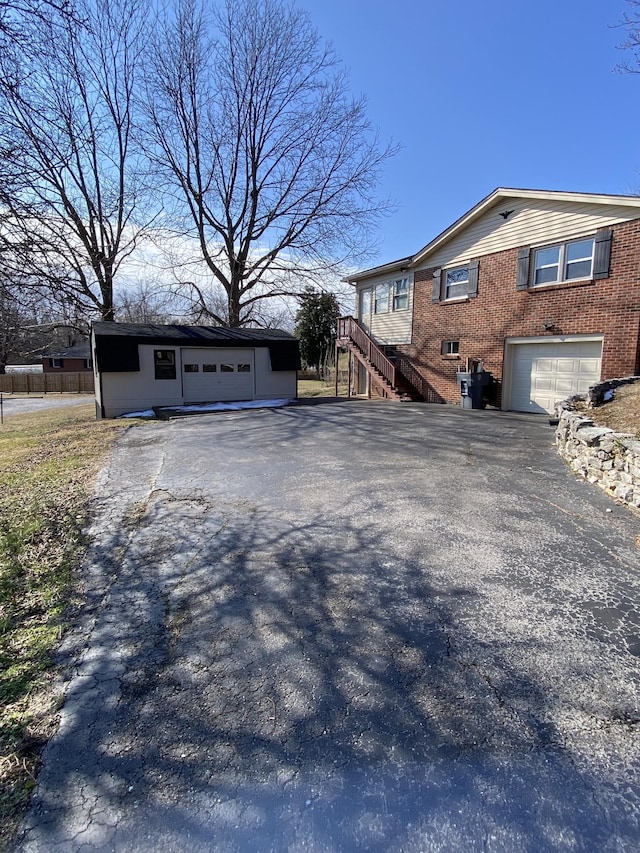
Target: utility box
x=472, y=386
x=464, y=381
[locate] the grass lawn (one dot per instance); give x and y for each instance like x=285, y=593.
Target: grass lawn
x=318, y=388
x=48, y=464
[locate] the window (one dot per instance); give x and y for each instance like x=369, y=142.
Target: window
x=381, y=299
x=450, y=347
x=209, y=368
x=164, y=361
x=400, y=294
x=192, y=368
x=456, y=282
x=564, y=262
x=88, y=364
x=226, y=368
x=244, y=368
x=55, y=362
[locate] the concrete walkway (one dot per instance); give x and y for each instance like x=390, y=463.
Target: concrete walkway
x=354, y=626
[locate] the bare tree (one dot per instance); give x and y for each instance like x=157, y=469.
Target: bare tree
x=16, y=15
x=271, y=165
x=631, y=22
x=71, y=214
x=147, y=301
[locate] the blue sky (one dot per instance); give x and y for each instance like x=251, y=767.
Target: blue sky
x=487, y=93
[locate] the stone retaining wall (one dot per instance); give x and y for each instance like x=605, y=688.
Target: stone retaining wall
x=609, y=459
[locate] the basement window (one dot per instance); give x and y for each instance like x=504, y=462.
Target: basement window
x=450, y=347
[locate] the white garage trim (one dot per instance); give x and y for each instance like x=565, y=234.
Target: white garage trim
x=540, y=371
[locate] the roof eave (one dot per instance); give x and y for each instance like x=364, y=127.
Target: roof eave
x=511, y=192
x=400, y=265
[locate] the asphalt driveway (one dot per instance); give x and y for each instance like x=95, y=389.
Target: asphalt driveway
x=351, y=626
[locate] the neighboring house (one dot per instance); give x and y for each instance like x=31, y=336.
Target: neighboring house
x=20, y=369
x=75, y=359
x=542, y=288
x=138, y=366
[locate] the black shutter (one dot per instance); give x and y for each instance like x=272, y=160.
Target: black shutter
x=472, y=290
x=435, y=294
x=522, y=282
x=602, y=253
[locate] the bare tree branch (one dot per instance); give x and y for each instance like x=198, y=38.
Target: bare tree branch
x=631, y=23
x=72, y=208
x=251, y=127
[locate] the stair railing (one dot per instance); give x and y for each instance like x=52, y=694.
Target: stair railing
x=350, y=329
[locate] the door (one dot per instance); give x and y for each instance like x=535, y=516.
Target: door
x=545, y=373
x=215, y=375
x=364, y=309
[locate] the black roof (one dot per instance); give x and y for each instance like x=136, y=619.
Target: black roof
x=116, y=344
x=155, y=332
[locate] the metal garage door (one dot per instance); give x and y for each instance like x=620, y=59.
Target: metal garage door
x=212, y=375
x=544, y=373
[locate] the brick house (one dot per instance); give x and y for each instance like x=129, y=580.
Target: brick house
x=76, y=359
x=542, y=288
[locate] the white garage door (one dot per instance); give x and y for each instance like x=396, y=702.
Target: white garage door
x=545, y=373
x=213, y=375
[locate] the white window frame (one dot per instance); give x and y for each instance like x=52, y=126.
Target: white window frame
x=381, y=305
x=446, y=285
x=400, y=291
x=563, y=263
x=366, y=295
x=450, y=348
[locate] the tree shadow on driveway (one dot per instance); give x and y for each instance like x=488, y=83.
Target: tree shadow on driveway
x=255, y=685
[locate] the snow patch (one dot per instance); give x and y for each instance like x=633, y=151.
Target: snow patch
x=147, y=413
x=230, y=407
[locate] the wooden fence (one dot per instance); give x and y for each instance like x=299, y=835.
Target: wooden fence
x=47, y=383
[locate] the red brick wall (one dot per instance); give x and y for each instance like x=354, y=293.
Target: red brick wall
x=608, y=307
x=69, y=365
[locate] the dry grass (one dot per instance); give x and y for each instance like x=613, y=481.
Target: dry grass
x=621, y=414
x=48, y=464
x=319, y=388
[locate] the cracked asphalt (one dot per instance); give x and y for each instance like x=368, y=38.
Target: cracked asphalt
x=349, y=626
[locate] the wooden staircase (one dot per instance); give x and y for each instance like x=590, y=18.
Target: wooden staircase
x=397, y=380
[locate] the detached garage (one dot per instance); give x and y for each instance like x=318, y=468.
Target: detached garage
x=139, y=366
x=542, y=371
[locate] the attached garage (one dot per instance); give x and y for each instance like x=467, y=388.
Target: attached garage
x=139, y=366
x=541, y=372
